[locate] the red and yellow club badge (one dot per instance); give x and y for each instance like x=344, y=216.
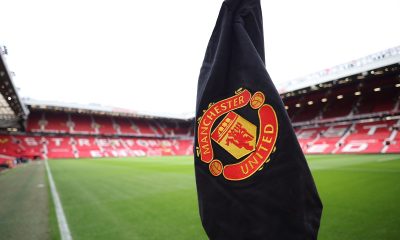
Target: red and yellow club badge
x=237, y=135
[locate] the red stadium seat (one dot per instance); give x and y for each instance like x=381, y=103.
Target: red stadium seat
x=82, y=124
x=36, y=121
x=367, y=137
x=126, y=127
x=56, y=122
x=104, y=125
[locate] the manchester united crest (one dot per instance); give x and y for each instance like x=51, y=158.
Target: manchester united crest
x=250, y=144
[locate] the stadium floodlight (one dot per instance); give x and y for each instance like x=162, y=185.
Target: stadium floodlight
x=310, y=102
x=377, y=89
x=286, y=107
x=357, y=93
x=298, y=105
x=339, y=97
x=324, y=100
x=397, y=85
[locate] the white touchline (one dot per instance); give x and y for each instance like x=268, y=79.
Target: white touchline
x=62, y=221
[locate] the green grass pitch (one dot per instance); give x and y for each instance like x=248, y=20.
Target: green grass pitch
x=155, y=197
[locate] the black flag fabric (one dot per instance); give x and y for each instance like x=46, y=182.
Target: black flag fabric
x=252, y=179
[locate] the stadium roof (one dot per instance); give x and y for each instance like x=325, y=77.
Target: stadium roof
x=95, y=109
x=12, y=111
x=361, y=65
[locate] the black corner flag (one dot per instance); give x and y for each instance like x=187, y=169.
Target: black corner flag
x=252, y=179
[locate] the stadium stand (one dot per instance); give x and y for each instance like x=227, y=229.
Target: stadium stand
x=76, y=147
x=367, y=137
x=309, y=108
x=58, y=147
x=380, y=97
x=355, y=114
x=55, y=122
x=35, y=122
x=352, y=112
x=104, y=125
x=340, y=102
x=147, y=128
x=125, y=126
x=392, y=144
x=82, y=123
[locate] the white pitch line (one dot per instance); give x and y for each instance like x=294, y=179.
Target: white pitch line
x=62, y=221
